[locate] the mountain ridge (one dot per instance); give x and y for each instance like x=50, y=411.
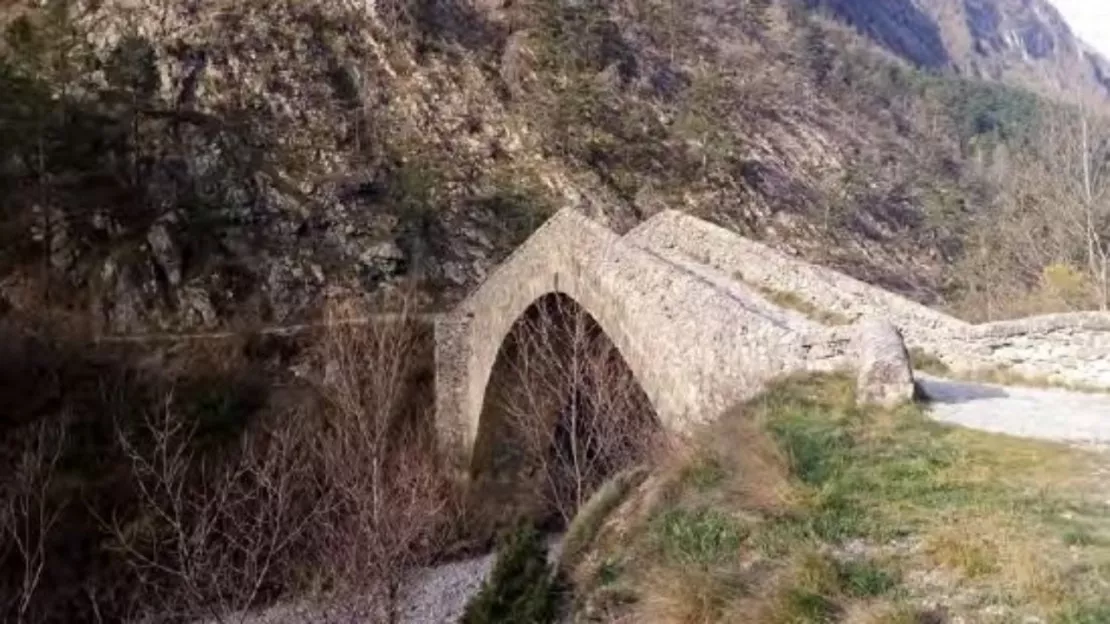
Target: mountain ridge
x=1022, y=42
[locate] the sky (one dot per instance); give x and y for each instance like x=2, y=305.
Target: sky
x=1090, y=19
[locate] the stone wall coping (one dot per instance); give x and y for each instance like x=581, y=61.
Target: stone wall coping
x=1080, y=321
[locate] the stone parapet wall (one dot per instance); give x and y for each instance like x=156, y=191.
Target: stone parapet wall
x=692, y=309
x=697, y=341
x=764, y=267
x=1071, y=348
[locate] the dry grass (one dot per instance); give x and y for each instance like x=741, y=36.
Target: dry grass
x=999, y=551
x=1004, y=376
x=739, y=463
x=684, y=596
x=792, y=301
x=922, y=360
x=588, y=521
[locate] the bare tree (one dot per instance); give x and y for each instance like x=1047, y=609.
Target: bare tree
x=1052, y=214
x=209, y=536
x=388, y=494
x=573, y=404
x=29, y=511
x=344, y=485
x=1090, y=188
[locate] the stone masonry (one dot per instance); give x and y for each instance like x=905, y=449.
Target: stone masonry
x=1066, y=348
x=681, y=300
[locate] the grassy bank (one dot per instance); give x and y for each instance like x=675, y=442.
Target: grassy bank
x=801, y=507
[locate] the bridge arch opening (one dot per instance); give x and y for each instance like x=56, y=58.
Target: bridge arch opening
x=562, y=412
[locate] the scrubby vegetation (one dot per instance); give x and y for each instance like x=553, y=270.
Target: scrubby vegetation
x=209, y=481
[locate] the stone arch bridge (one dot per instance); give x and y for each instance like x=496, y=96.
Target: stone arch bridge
x=690, y=307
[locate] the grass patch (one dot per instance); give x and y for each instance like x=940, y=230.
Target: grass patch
x=866, y=579
x=791, y=301
x=805, y=606
x=703, y=536
x=874, y=513
x=1078, y=536
x=958, y=549
x=704, y=473
x=1085, y=614
x=926, y=362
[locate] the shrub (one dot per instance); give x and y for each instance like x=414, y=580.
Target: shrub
x=1066, y=284
x=521, y=588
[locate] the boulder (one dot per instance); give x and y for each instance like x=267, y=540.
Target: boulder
x=885, y=375
x=383, y=259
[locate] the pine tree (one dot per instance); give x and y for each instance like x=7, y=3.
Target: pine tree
x=521, y=587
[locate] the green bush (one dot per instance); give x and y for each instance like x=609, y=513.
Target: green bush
x=521, y=588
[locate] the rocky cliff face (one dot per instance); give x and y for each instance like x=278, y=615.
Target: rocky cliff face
x=901, y=26
x=280, y=153
x=241, y=161
x=1025, y=42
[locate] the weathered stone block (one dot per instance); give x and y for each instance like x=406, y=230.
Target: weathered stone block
x=885, y=375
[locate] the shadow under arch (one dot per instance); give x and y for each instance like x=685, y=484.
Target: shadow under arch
x=561, y=413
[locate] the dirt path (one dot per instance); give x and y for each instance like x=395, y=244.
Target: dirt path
x=1047, y=414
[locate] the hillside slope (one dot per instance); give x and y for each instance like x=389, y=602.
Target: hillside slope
x=171, y=165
